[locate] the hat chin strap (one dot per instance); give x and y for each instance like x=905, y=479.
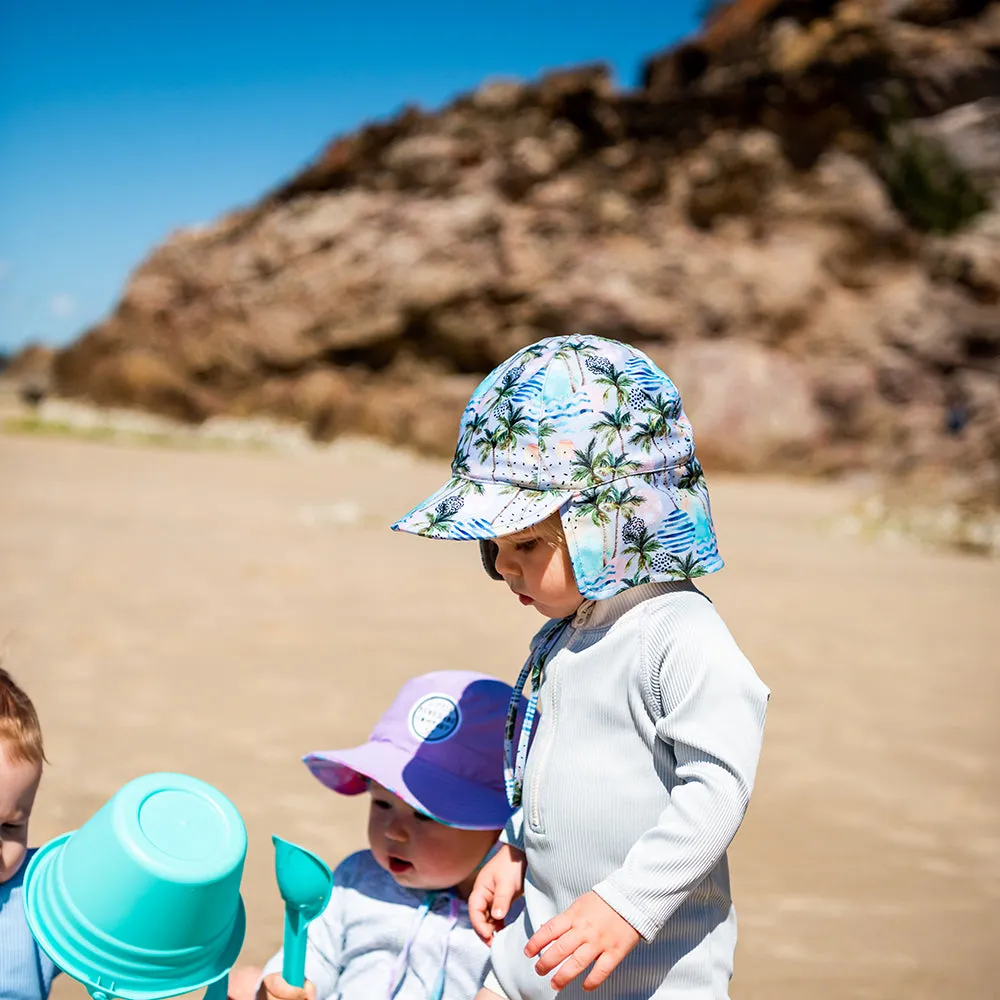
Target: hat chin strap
x=400, y=968
x=454, y=907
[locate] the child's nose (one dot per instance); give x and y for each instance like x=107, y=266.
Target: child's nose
x=504, y=564
x=397, y=831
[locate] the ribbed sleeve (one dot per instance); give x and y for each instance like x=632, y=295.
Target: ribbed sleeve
x=713, y=721
x=513, y=832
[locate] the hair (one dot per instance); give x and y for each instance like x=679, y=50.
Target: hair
x=550, y=530
x=20, y=731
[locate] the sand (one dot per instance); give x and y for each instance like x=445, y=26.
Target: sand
x=220, y=612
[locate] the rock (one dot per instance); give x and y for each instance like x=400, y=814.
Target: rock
x=850, y=192
x=327, y=402
x=929, y=13
x=732, y=215
x=732, y=22
x=153, y=291
x=431, y=162
x=732, y=174
x=533, y=159
x=750, y=407
x=970, y=133
x=593, y=79
x=424, y=416
x=30, y=372
x=846, y=393
x=564, y=192
x=499, y=96
x=615, y=211
x=971, y=259
x=793, y=47
x=941, y=69
x=31, y=362
x=143, y=380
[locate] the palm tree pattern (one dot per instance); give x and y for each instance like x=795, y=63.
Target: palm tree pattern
x=594, y=429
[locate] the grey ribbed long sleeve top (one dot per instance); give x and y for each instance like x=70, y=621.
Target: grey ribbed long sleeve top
x=638, y=777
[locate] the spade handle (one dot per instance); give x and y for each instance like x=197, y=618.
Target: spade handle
x=293, y=967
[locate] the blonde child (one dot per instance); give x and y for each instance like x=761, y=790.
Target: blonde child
x=26, y=972
x=576, y=472
x=397, y=925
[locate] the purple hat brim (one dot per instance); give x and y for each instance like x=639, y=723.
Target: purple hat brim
x=443, y=796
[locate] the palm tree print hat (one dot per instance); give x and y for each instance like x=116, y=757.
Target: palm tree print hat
x=591, y=428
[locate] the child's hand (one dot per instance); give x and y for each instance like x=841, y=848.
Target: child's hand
x=499, y=883
x=589, y=931
x=275, y=988
x=243, y=982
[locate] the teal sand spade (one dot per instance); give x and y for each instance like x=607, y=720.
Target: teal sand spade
x=305, y=883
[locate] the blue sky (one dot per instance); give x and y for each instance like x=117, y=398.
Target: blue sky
x=122, y=121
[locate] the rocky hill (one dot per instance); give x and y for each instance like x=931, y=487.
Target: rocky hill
x=795, y=213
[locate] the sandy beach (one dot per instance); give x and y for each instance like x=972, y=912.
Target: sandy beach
x=221, y=612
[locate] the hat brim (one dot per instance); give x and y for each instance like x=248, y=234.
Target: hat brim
x=473, y=509
x=56, y=930
x=443, y=796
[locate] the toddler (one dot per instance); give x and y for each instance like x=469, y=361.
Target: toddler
x=397, y=925
x=576, y=472
x=26, y=972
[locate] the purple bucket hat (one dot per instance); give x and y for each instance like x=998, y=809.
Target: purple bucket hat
x=591, y=428
x=439, y=747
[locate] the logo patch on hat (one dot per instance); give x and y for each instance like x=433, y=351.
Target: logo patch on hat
x=435, y=718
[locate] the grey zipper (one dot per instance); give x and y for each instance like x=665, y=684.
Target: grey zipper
x=542, y=753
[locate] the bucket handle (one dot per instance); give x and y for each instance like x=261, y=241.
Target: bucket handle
x=219, y=990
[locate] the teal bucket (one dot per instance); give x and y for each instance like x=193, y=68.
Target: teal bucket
x=143, y=901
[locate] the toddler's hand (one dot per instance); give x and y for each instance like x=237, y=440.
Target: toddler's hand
x=589, y=931
x=499, y=883
x=275, y=988
x=243, y=982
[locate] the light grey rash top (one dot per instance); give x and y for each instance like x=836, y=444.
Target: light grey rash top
x=639, y=774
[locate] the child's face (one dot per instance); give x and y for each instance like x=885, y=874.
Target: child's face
x=418, y=852
x=18, y=784
x=539, y=572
